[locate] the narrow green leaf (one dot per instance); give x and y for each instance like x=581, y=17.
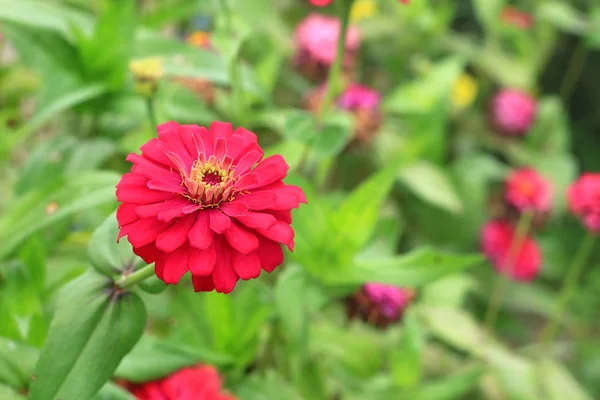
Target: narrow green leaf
x=8, y=393
x=17, y=363
x=92, y=330
x=413, y=269
x=558, y=384
x=563, y=15
x=452, y=387
x=431, y=184
x=407, y=364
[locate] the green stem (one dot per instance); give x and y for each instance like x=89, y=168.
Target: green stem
x=334, y=73
x=150, y=111
x=234, y=69
x=574, y=70
x=569, y=286
x=136, y=277
x=502, y=284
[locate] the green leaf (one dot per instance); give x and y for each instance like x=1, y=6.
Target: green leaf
x=111, y=391
x=89, y=155
x=17, y=363
x=357, y=216
x=8, y=393
x=414, y=269
x=449, y=291
x=558, y=384
x=430, y=183
x=562, y=15
x=299, y=125
x=153, y=285
x=333, y=137
x=153, y=358
x=27, y=214
x=92, y=330
x=488, y=12
x=271, y=386
x=452, y=387
x=407, y=363
x=108, y=256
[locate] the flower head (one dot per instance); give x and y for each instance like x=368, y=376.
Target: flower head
x=147, y=68
x=363, y=9
x=358, y=97
x=200, y=382
x=517, y=18
x=205, y=201
x=527, y=189
x=317, y=37
x=464, y=91
x=513, y=112
x=497, y=242
x=320, y=3
x=199, y=39
x=584, y=200
x=391, y=299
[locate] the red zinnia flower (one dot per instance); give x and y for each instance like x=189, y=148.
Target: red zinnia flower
x=526, y=189
x=497, y=239
x=201, y=382
x=205, y=201
x=584, y=200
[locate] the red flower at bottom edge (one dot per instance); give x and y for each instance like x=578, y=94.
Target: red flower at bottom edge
x=205, y=201
x=497, y=238
x=201, y=382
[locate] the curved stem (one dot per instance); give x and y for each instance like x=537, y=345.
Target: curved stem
x=569, y=286
x=234, y=69
x=502, y=284
x=334, y=73
x=150, y=111
x=136, y=277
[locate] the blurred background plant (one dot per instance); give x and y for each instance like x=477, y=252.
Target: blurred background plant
x=436, y=104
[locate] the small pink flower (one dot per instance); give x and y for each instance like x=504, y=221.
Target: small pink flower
x=513, y=112
x=391, y=300
x=358, y=97
x=526, y=189
x=584, y=200
x=517, y=18
x=320, y=3
x=497, y=240
x=317, y=37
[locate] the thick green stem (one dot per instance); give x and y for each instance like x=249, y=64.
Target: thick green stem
x=502, y=284
x=332, y=87
x=150, y=111
x=130, y=280
x=569, y=286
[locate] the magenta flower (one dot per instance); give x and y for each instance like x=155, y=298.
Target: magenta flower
x=527, y=189
x=513, y=112
x=391, y=300
x=357, y=97
x=584, y=200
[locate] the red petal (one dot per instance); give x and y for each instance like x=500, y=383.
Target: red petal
x=152, y=210
x=200, y=235
x=126, y=214
x=224, y=277
x=141, y=195
x=270, y=254
x=247, y=161
x=166, y=186
x=169, y=133
x=220, y=130
x=259, y=200
x=202, y=262
x=269, y=170
x=143, y=231
x=246, y=181
x=234, y=208
x=191, y=136
x=148, y=253
x=203, y=283
x=131, y=179
x=282, y=215
x=240, y=239
x=220, y=148
x=175, y=265
x=146, y=167
x=219, y=222
x=246, y=266
x=176, y=234
x=280, y=232
x=152, y=152
x=257, y=220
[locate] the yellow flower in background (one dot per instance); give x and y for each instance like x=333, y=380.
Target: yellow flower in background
x=363, y=9
x=464, y=91
x=199, y=39
x=150, y=68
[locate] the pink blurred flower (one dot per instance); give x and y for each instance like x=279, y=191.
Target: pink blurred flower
x=317, y=35
x=358, y=97
x=497, y=239
x=323, y=3
x=513, y=112
x=517, y=18
x=527, y=189
x=584, y=200
x=391, y=300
